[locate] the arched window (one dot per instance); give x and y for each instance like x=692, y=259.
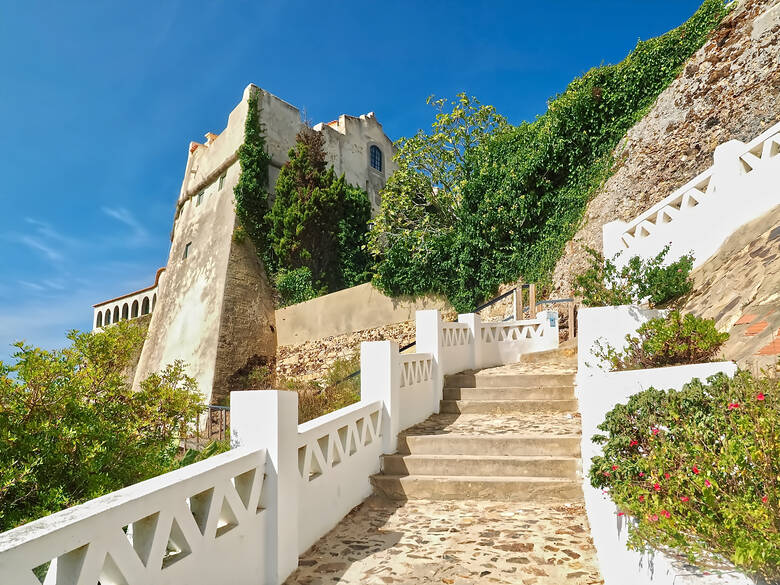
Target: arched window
x=134, y=310
x=145, y=306
x=99, y=322
x=154, y=301
x=125, y=312
x=108, y=316
x=376, y=157
x=116, y=314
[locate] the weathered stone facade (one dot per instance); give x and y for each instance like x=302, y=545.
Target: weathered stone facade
x=215, y=306
x=730, y=89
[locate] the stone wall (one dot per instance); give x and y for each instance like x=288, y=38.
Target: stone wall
x=730, y=89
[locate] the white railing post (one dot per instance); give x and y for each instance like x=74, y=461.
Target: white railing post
x=380, y=381
x=429, y=340
x=550, y=328
x=474, y=322
x=727, y=166
x=269, y=419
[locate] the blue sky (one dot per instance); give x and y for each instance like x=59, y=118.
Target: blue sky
x=100, y=100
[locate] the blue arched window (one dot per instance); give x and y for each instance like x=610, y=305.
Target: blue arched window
x=376, y=157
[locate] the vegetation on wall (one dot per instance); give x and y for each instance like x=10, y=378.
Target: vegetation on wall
x=318, y=221
x=672, y=340
x=72, y=428
x=503, y=205
x=251, y=191
x=698, y=470
x=638, y=281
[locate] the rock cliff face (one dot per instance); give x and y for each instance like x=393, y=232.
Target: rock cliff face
x=730, y=89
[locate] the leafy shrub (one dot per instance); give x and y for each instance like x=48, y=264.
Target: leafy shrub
x=604, y=285
x=294, y=286
x=504, y=206
x=72, y=428
x=698, y=469
x=666, y=341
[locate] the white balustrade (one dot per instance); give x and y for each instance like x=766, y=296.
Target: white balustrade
x=202, y=524
x=742, y=185
x=246, y=515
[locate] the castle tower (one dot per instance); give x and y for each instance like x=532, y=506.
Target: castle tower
x=214, y=307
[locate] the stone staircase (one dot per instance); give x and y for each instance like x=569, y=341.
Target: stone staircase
x=510, y=433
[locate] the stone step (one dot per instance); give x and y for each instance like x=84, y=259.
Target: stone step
x=505, y=489
x=511, y=393
x=481, y=465
x=488, y=445
x=506, y=406
x=471, y=380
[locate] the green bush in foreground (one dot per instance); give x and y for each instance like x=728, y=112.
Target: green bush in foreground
x=699, y=470
x=666, y=341
x=72, y=429
x=604, y=285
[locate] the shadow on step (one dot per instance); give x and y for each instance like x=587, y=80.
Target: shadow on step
x=358, y=536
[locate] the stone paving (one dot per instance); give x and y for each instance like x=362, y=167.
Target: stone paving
x=455, y=543
x=489, y=424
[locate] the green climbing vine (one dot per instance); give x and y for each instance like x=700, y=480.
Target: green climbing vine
x=251, y=191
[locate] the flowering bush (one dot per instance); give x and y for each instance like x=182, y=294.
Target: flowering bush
x=666, y=341
x=699, y=470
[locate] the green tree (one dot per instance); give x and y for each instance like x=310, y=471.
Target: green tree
x=317, y=220
x=251, y=191
x=476, y=203
x=72, y=429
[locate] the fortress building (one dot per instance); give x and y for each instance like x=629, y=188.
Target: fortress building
x=212, y=305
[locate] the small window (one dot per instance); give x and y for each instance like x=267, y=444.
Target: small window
x=200, y=199
x=187, y=250
x=376, y=157
x=222, y=181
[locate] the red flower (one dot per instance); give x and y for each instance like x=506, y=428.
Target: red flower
x=665, y=514
x=655, y=431
x=696, y=470
x=760, y=396
x=667, y=476
x=684, y=498
x=653, y=518
x=765, y=499
x=656, y=487
x=733, y=405
x=614, y=468
x=707, y=482
x=641, y=498
x=635, y=443
x=621, y=513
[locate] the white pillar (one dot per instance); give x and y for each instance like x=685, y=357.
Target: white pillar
x=429, y=340
x=550, y=328
x=727, y=167
x=269, y=419
x=380, y=378
x=474, y=322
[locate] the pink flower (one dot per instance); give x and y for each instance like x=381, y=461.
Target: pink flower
x=733, y=405
x=635, y=443
x=641, y=474
x=606, y=473
x=614, y=468
x=621, y=513
x=641, y=498
x=655, y=431
x=667, y=476
x=765, y=499
x=657, y=487
x=707, y=482
x=665, y=514
x=653, y=518
x=696, y=470
x=760, y=396
x=684, y=498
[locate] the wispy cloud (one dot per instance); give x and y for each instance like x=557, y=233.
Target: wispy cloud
x=40, y=246
x=140, y=235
